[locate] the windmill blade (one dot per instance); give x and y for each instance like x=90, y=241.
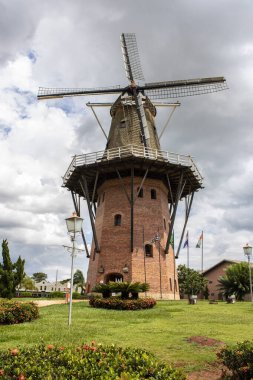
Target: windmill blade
x=181, y=88
x=131, y=57
x=52, y=93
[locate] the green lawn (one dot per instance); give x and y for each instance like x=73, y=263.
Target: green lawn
x=163, y=330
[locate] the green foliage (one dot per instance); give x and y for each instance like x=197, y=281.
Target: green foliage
x=77, y=296
x=25, y=294
x=125, y=288
x=12, y=312
x=236, y=281
x=28, y=283
x=86, y=362
x=238, y=359
x=56, y=295
x=79, y=280
x=39, y=276
x=11, y=274
x=122, y=304
x=190, y=281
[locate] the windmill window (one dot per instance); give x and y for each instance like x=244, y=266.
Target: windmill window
x=148, y=250
x=140, y=192
x=153, y=194
x=117, y=220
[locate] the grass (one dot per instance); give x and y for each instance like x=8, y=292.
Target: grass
x=163, y=330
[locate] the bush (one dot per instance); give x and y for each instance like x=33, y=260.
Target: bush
x=77, y=296
x=25, y=295
x=12, y=312
x=119, y=304
x=57, y=295
x=87, y=362
x=125, y=288
x=238, y=359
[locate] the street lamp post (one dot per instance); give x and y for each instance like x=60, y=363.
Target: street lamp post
x=157, y=239
x=74, y=226
x=248, y=252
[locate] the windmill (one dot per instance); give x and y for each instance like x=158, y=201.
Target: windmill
x=129, y=185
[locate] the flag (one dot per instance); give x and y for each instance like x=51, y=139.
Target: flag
x=200, y=241
x=186, y=243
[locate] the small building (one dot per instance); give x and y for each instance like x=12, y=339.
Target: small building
x=49, y=287
x=212, y=275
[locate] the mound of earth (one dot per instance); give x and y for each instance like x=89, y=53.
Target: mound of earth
x=204, y=341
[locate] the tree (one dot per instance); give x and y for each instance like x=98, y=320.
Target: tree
x=28, y=283
x=20, y=271
x=235, y=281
x=11, y=274
x=190, y=281
x=39, y=276
x=79, y=280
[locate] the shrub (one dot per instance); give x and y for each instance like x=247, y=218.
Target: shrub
x=119, y=304
x=87, y=362
x=77, y=296
x=57, y=295
x=125, y=288
x=25, y=294
x=238, y=359
x=12, y=312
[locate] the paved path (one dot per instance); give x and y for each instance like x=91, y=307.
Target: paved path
x=42, y=303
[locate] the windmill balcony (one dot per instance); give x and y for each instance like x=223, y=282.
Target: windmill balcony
x=128, y=151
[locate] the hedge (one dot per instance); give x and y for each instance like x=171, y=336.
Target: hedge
x=12, y=312
x=119, y=304
x=238, y=359
x=87, y=362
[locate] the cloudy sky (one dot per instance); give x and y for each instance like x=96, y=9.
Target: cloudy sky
x=65, y=43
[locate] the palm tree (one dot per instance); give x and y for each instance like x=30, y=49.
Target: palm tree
x=79, y=280
x=235, y=281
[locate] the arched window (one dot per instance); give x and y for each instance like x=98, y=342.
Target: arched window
x=153, y=194
x=140, y=192
x=148, y=250
x=117, y=220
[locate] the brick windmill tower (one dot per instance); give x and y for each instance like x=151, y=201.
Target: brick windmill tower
x=132, y=187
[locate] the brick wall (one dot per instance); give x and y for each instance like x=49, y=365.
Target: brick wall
x=150, y=216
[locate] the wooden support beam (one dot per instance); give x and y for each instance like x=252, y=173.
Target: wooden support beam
x=132, y=212
x=123, y=186
x=172, y=221
x=94, y=193
x=188, y=206
x=84, y=187
x=141, y=185
x=77, y=210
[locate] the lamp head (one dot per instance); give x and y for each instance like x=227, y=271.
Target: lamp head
x=247, y=250
x=74, y=224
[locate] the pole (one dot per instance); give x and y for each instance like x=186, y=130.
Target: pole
x=202, y=254
x=144, y=258
x=250, y=279
x=56, y=279
x=188, y=250
x=71, y=281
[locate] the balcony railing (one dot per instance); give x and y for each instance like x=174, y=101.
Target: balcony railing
x=131, y=151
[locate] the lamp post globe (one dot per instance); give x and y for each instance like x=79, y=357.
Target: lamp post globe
x=74, y=224
x=248, y=253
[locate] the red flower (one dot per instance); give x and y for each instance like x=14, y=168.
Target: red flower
x=14, y=352
x=50, y=346
x=1, y=372
x=21, y=377
x=61, y=348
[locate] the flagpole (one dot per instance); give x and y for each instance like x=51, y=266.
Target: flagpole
x=202, y=254
x=188, y=250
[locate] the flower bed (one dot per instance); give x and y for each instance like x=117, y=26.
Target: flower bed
x=87, y=362
x=238, y=359
x=120, y=304
x=12, y=312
